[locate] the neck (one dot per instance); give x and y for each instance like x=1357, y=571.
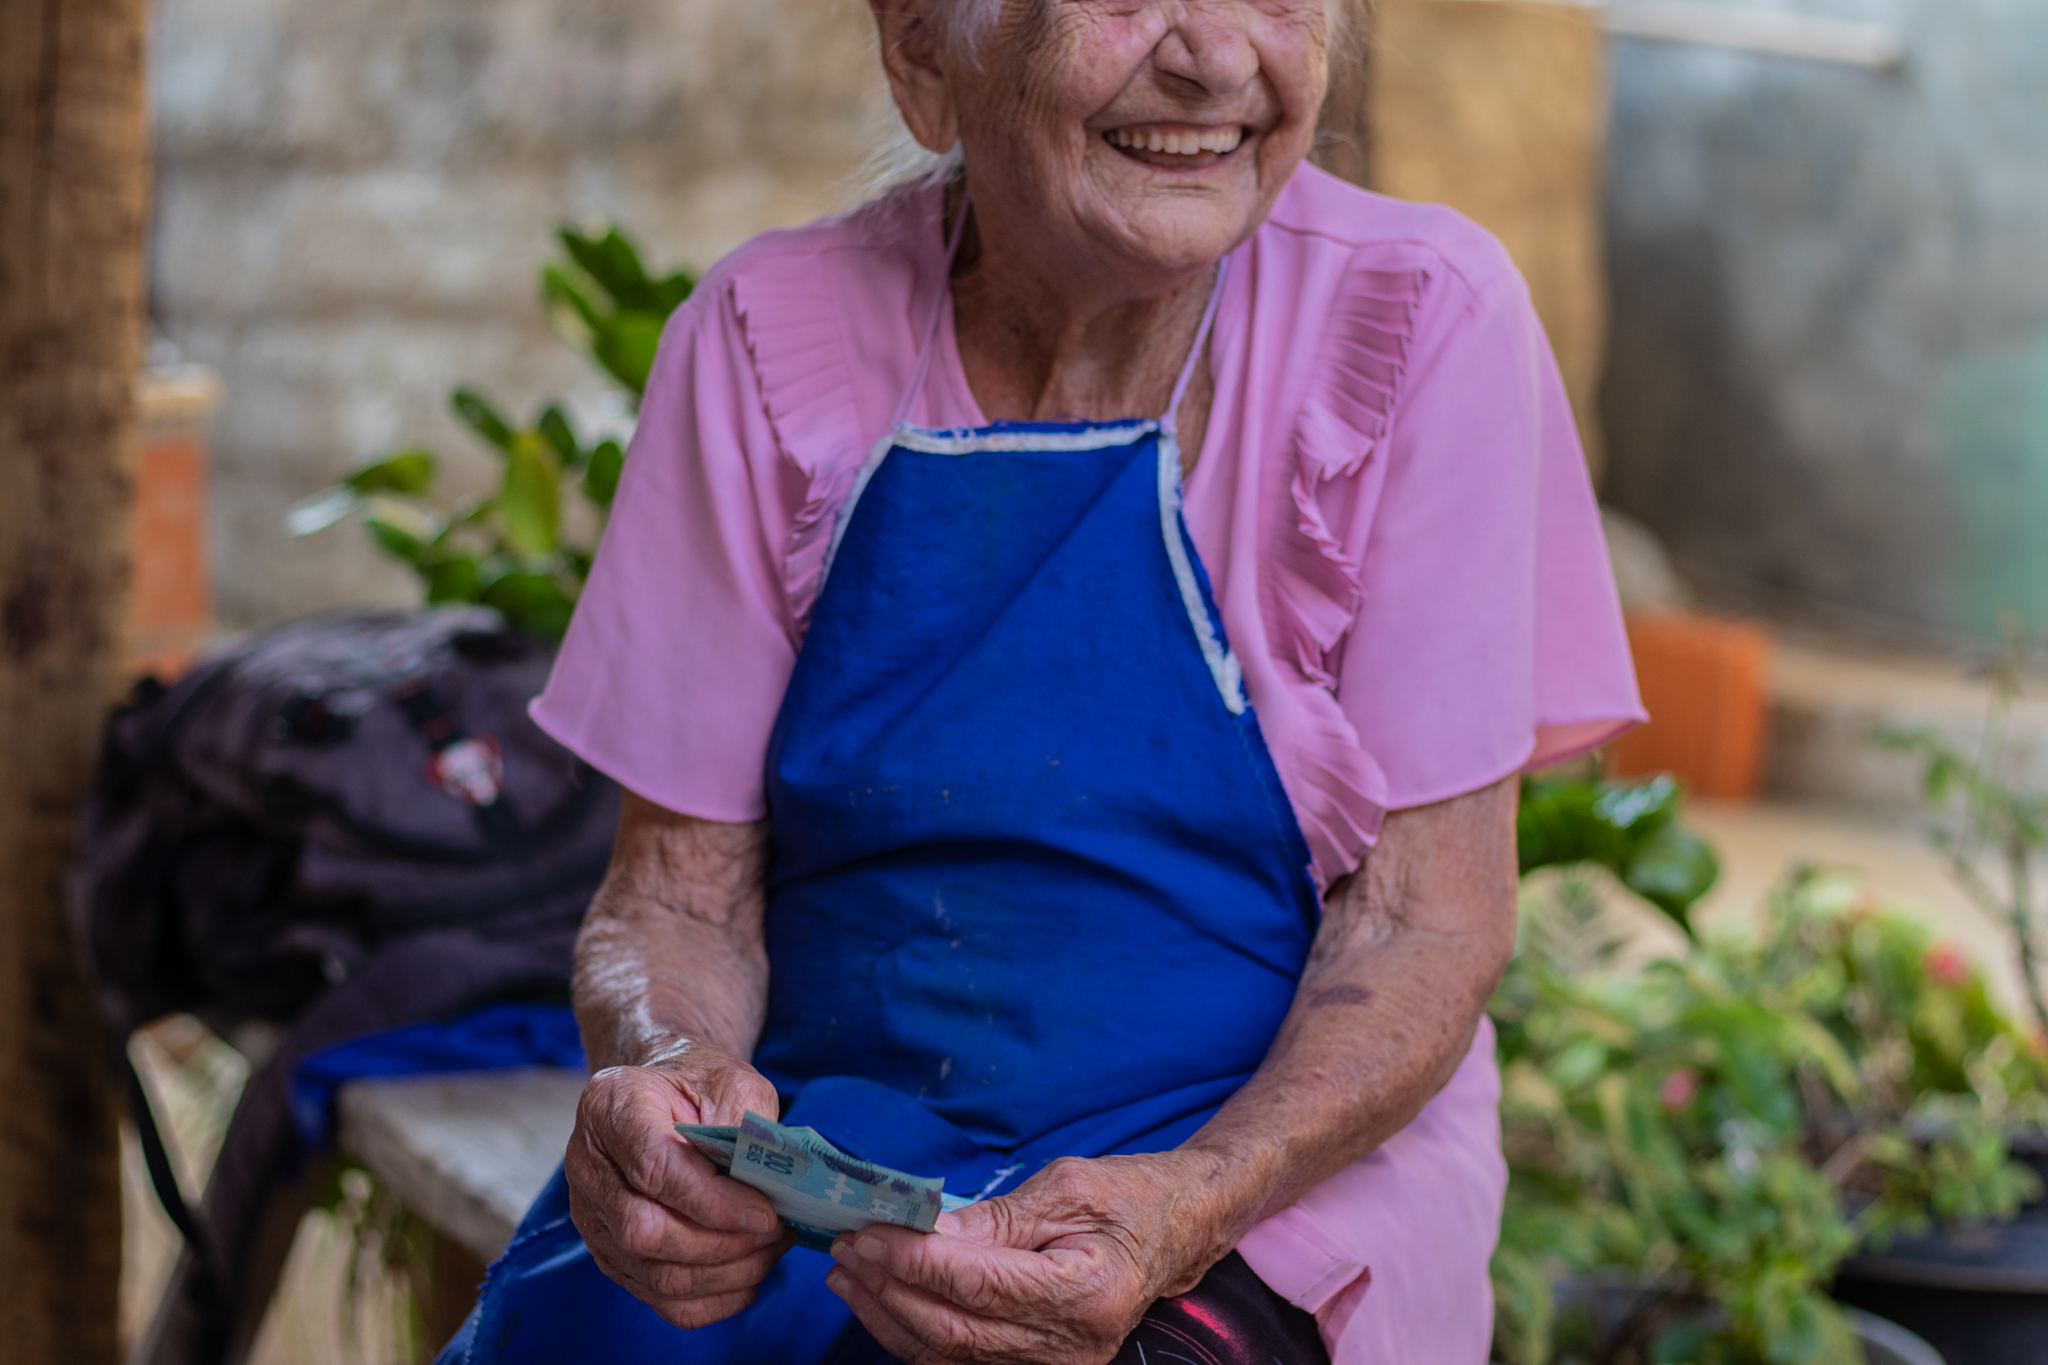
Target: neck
x=1041, y=341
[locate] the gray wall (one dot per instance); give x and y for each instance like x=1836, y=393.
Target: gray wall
x=1829, y=370
x=353, y=197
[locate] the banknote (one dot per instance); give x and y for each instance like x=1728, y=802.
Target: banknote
x=819, y=1190
x=714, y=1140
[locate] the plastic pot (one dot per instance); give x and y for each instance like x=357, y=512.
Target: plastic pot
x=1979, y=1294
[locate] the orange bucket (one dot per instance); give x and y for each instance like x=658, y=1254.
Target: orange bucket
x=1706, y=684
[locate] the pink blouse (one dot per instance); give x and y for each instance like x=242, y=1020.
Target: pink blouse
x=1394, y=513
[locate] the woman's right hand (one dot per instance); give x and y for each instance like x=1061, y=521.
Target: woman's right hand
x=658, y=1217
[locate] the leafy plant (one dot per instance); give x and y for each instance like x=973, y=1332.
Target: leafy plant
x=1694, y=1147
x=1994, y=821
x=519, y=549
x=1631, y=829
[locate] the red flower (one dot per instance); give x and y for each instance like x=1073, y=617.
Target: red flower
x=1946, y=965
x=1678, y=1089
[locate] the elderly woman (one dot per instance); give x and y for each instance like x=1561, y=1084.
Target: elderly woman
x=1071, y=628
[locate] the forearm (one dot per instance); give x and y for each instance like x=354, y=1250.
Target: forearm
x=1407, y=956
x=671, y=955
x=1371, y=1040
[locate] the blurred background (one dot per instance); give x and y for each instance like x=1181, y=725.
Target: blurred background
x=1790, y=254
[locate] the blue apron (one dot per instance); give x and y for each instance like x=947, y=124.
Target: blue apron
x=1035, y=889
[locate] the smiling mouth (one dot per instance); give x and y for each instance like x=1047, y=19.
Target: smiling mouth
x=1178, y=148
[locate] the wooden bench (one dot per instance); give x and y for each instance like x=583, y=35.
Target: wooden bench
x=467, y=1153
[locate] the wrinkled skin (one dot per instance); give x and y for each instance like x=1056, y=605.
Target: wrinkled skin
x=672, y=988
x=1082, y=283
x=1077, y=294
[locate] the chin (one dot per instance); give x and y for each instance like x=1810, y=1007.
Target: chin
x=1177, y=243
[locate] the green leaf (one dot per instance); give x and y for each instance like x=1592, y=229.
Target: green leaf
x=530, y=499
x=1629, y=828
x=1673, y=872
x=554, y=425
x=394, y=540
x=626, y=345
x=601, y=477
x=568, y=306
x=321, y=510
x=400, y=528
x=670, y=292
x=480, y=417
x=615, y=265
x=532, y=602
x=410, y=471
x=1827, y=1050
x=1646, y=805
x=454, y=578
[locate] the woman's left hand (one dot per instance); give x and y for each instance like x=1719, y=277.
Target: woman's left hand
x=1057, y=1273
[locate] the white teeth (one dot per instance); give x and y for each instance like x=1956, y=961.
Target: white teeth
x=1220, y=141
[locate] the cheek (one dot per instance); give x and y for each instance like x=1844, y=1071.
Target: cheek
x=1295, y=60
x=1060, y=70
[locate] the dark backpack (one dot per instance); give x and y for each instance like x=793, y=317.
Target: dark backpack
x=259, y=830
x=343, y=824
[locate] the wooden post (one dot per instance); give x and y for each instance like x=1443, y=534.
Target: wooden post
x=73, y=196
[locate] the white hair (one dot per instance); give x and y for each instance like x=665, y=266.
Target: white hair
x=898, y=158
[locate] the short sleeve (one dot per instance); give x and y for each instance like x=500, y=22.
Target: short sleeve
x=681, y=647
x=1489, y=637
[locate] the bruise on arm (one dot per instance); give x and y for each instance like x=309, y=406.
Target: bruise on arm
x=671, y=953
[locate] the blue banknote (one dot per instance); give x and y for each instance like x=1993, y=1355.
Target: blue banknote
x=816, y=1188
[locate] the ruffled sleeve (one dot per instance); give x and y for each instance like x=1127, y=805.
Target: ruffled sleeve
x=1487, y=637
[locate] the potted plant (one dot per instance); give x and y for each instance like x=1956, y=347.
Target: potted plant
x=1982, y=1289
x=1697, y=1143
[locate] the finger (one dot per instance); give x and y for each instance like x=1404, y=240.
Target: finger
x=703, y=1312
x=605, y=1208
x=894, y=1336
x=663, y=1283
x=995, y=1281
x=632, y=1130
x=1027, y=1219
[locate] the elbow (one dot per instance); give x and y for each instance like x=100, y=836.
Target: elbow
x=1496, y=945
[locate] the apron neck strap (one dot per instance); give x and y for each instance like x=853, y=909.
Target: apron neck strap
x=1169, y=423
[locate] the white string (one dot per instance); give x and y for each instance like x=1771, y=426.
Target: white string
x=939, y=303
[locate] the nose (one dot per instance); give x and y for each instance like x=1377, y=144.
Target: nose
x=1208, y=43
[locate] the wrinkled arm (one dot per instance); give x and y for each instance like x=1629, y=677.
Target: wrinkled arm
x=671, y=955
x=671, y=988
x=1409, y=951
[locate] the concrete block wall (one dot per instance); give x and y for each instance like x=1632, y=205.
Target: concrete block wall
x=1829, y=365
x=353, y=198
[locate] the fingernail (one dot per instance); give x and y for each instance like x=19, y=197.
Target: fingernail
x=842, y=1250
x=760, y=1222
x=870, y=1247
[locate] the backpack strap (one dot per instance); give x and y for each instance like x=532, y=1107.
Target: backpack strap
x=163, y=1179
